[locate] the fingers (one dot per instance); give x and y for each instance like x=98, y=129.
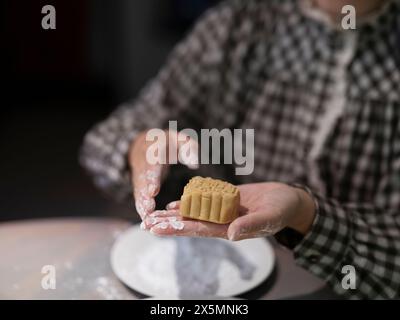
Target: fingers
x=146, y=185
x=144, y=206
x=152, y=179
x=172, y=210
x=174, y=205
x=254, y=225
x=146, y=178
x=188, y=228
x=170, y=223
x=160, y=216
x=242, y=226
x=165, y=213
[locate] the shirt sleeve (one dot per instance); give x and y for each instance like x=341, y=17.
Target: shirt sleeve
x=363, y=236
x=178, y=92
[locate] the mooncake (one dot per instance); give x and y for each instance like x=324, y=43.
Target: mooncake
x=210, y=200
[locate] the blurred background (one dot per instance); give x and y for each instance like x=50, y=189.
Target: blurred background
x=59, y=83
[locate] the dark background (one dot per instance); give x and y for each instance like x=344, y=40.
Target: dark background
x=58, y=83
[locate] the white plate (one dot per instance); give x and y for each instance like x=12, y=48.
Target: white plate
x=189, y=267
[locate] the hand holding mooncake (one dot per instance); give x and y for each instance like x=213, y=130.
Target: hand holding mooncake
x=210, y=208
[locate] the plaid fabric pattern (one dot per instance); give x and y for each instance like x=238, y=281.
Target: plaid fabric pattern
x=325, y=106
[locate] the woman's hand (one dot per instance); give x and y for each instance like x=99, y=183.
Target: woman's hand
x=147, y=177
x=265, y=209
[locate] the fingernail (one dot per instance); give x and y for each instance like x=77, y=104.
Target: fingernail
x=234, y=235
x=172, y=205
x=143, y=226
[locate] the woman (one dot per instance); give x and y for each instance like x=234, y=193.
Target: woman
x=325, y=106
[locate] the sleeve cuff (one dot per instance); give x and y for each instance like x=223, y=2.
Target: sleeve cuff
x=324, y=248
x=107, y=161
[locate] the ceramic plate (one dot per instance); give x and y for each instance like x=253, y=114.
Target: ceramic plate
x=189, y=267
